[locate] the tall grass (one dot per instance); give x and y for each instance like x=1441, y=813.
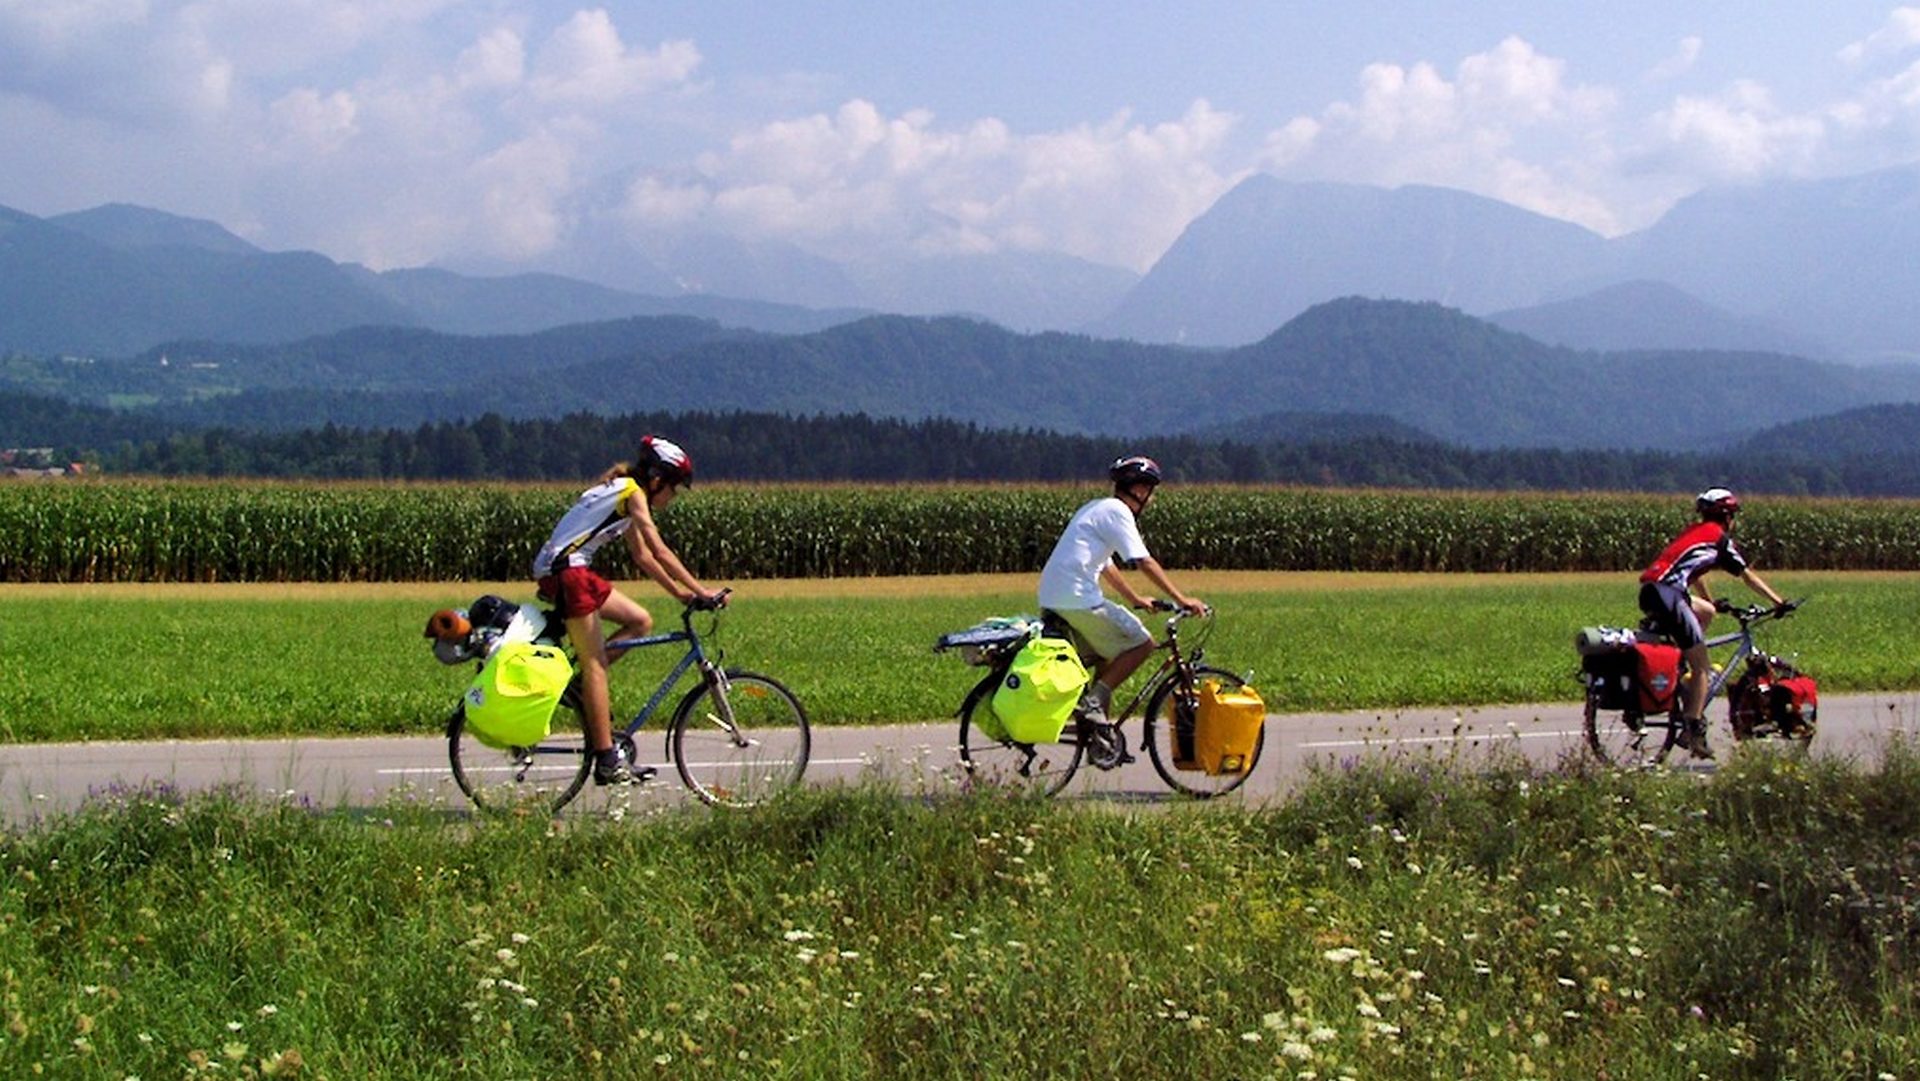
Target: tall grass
x=1393, y=920
x=111, y=531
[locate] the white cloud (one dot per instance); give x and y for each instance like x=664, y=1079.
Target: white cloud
x=519, y=188
x=1508, y=124
x=496, y=61
x=1740, y=134
x=1899, y=33
x=854, y=180
x=50, y=26
x=305, y=122
x=586, y=63
x=1682, y=61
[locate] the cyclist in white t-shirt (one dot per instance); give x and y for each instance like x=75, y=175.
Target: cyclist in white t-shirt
x=1101, y=538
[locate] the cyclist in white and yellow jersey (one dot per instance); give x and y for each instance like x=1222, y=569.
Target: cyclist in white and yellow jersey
x=620, y=504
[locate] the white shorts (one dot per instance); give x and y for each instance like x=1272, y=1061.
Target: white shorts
x=1107, y=629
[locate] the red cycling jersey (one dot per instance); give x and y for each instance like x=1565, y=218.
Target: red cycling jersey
x=1704, y=547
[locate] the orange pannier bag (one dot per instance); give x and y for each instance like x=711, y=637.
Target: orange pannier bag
x=1226, y=728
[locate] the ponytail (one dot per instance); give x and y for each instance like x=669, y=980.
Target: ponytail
x=615, y=472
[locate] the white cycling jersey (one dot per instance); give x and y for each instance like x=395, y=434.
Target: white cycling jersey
x=598, y=516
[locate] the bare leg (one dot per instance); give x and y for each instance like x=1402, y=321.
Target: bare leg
x=1114, y=670
x=629, y=618
x=589, y=648
x=1698, y=671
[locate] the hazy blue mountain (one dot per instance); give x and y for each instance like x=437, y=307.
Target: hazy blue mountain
x=1470, y=382
x=1649, y=315
x=913, y=367
x=525, y=303
x=1424, y=368
x=1873, y=450
x=1833, y=259
x=62, y=291
x=118, y=280
x=121, y=225
x=1824, y=266
x=1024, y=291
x=1291, y=426
x=1873, y=431
x=1269, y=249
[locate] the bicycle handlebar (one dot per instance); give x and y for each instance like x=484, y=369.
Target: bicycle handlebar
x=1161, y=604
x=710, y=603
x=1754, y=613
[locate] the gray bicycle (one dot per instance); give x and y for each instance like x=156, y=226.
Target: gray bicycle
x=736, y=737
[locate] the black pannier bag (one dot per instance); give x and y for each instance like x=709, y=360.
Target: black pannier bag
x=1610, y=679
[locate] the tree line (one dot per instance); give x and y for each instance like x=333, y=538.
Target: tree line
x=777, y=447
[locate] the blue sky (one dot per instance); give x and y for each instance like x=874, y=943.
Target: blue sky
x=404, y=132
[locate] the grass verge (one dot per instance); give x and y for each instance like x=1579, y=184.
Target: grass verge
x=1392, y=920
x=144, y=662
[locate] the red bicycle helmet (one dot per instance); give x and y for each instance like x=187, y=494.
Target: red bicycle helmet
x=663, y=458
x=1717, y=503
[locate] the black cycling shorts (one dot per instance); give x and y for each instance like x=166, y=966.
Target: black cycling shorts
x=1670, y=611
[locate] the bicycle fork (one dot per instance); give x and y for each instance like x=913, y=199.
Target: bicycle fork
x=721, y=716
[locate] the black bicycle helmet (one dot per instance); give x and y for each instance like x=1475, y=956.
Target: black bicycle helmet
x=1719, y=504
x=663, y=458
x=1134, y=469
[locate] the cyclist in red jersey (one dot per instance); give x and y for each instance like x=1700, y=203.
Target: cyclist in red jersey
x=1678, y=605
x=620, y=504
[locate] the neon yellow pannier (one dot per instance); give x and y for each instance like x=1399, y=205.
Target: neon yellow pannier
x=1226, y=727
x=512, y=701
x=1040, y=689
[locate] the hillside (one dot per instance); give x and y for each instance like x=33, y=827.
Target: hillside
x=1650, y=315
x=1430, y=368
x=1269, y=250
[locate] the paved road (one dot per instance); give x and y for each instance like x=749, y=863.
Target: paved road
x=42, y=779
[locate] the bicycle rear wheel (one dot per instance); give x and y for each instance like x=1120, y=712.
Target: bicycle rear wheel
x=1628, y=738
x=992, y=762
x=740, y=743
x=520, y=780
x=1164, y=725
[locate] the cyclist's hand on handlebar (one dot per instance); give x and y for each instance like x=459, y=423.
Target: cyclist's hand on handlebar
x=1784, y=609
x=1157, y=604
x=1193, y=606
x=1722, y=605
x=708, y=602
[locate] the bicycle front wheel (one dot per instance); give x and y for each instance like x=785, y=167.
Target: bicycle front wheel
x=740, y=741
x=1168, y=723
x=1627, y=738
x=989, y=761
x=520, y=780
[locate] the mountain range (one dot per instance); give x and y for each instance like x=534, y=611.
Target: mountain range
x=1819, y=268
x=1416, y=368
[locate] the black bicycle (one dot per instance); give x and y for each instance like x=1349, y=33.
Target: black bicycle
x=989, y=758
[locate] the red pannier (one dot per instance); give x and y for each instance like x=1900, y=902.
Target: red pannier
x=1773, y=698
x=1656, y=674
x=1796, y=703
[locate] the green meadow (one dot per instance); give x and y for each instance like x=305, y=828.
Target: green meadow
x=138, y=662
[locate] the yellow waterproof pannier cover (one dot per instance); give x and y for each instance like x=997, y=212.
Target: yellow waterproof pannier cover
x=512, y=701
x=1226, y=728
x=1039, y=691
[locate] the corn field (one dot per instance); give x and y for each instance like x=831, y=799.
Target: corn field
x=135, y=531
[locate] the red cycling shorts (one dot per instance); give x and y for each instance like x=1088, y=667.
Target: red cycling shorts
x=576, y=591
